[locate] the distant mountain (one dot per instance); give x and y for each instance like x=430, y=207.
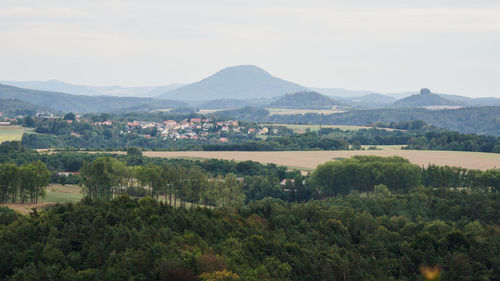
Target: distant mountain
x=236, y=82
x=426, y=98
x=82, y=104
x=304, y=100
x=63, y=87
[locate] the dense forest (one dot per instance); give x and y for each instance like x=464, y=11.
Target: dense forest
x=383, y=237
x=363, y=218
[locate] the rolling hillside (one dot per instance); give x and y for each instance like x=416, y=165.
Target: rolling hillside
x=479, y=120
x=237, y=82
x=79, y=103
x=10, y=107
x=472, y=101
x=118, y=91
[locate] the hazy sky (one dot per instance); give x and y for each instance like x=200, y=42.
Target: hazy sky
x=391, y=46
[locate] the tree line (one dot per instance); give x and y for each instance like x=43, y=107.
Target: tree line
x=398, y=175
x=23, y=184
x=106, y=178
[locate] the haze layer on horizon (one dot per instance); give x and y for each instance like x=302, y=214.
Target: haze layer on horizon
x=391, y=46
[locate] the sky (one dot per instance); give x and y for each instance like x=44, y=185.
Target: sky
x=388, y=46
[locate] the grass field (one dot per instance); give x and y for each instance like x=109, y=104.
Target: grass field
x=308, y=160
x=55, y=193
x=11, y=133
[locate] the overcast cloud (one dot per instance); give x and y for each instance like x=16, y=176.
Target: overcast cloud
x=391, y=46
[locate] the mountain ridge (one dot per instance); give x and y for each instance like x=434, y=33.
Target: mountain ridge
x=80, y=103
x=75, y=89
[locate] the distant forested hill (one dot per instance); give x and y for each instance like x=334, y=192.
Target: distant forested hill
x=479, y=120
x=119, y=91
x=304, y=99
x=11, y=107
x=81, y=104
x=425, y=98
x=472, y=101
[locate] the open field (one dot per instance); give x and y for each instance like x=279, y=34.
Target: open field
x=55, y=193
x=11, y=133
x=310, y=159
x=285, y=111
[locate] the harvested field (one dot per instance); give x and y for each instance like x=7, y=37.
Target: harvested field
x=310, y=159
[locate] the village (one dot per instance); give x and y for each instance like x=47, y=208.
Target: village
x=193, y=129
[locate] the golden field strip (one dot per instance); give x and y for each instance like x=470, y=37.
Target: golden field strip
x=308, y=160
